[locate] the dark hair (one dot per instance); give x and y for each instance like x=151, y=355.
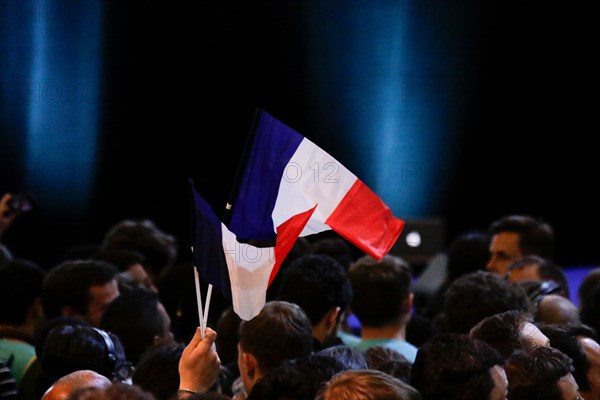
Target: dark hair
x=301, y=378
x=534, y=375
x=468, y=252
x=68, y=284
x=134, y=318
x=335, y=247
x=157, y=370
x=121, y=258
x=565, y=339
x=480, y=294
x=317, y=283
x=158, y=248
x=70, y=348
x=20, y=284
x=503, y=331
x=454, y=366
x=589, y=308
x=380, y=289
x=388, y=360
x=547, y=269
x=535, y=235
x=282, y=320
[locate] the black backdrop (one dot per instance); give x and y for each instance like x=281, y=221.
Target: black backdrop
x=180, y=84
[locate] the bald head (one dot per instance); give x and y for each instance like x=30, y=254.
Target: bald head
x=557, y=309
x=83, y=379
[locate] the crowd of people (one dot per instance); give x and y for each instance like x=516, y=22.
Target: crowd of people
x=119, y=320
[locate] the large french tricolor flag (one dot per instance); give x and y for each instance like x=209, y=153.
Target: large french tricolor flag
x=241, y=272
x=286, y=174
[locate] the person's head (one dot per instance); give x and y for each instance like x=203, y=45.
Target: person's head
x=480, y=294
x=543, y=373
x=389, y=361
x=157, y=370
x=130, y=264
x=536, y=268
x=69, y=348
x=366, y=384
x=515, y=236
x=301, y=378
x=580, y=344
x=118, y=390
x=589, y=306
x=281, y=331
x=467, y=253
x=158, y=247
x=336, y=247
x=320, y=286
x=80, y=288
x=139, y=319
x=588, y=284
x=509, y=331
x=20, y=293
x=557, y=309
x=455, y=366
x=347, y=357
x=76, y=380
x=381, y=289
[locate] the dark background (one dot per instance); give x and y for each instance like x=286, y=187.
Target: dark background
x=181, y=82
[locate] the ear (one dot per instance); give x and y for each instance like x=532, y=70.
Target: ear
x=332, y=319
x=249, y=370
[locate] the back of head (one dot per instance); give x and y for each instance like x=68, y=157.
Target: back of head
x=380, y=289
x=301, y=247
x=454, y=366
x=589, y=310
x=557, y=309
x=345, y=357
x=566, y=339
x=390, y=361
x=503, y=331
x=534, y=375
x=77, y=380
x=335, y=247
x=589, y=282
x=367, y=385
x=69, y=348
x=20, y=285
x=158, y=248
x=157, y=370
x=281, y=331
x=68, y=284
x=301, y=378
x=134, y=318
x=480, y=294
x=535, y=235
x=317, y=283
x=469, y=252
x=117, y=390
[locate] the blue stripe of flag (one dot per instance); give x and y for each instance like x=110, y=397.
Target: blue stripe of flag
x=274, y=145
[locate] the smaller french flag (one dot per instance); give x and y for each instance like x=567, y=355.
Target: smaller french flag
x=241, y=272
x=287, y=174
